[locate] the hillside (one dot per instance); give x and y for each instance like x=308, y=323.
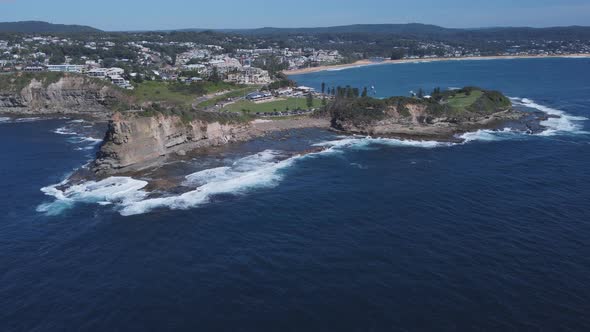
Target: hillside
x=443, y=115
x=426, y=31
x=59, y=93
x=44, y=27
x=398, y=29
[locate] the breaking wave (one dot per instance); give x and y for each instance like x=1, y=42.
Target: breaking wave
x=64, y=131
x=84, y=143
x=260, y=170
x=487, y=135
x=19, y=120
x=559, y=123
x=114, y=190
x=256, y=171
x=365, y=142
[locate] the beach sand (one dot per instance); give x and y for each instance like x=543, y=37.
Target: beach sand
x=364, y=63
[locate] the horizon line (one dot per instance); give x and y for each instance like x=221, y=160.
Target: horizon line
x=300, y=27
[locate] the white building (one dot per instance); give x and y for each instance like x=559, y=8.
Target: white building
x=66, y=68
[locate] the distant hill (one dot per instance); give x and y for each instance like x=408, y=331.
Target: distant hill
x=423, y=31
x=43, y=27
x=436, y=32
x=398, y=29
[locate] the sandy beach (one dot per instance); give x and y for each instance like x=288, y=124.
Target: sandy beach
x=364, y=63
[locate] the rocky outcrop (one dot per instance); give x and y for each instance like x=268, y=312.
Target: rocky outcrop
x=449, y=113
x=64, y=94
x=134, y=142
x=420, y=123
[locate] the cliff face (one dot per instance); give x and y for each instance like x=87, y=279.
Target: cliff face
x=68, y=94
x=455, y=111
x=133, y=142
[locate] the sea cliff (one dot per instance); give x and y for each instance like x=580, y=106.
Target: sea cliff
x=57, y=93
x=439, y=116
x=134, y=141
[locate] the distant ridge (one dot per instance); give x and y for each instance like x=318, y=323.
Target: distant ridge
x=409, y=30
x=426, y=31
x=43, y=27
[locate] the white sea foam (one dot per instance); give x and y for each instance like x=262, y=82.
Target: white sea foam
x=113, y=190
x=261, y=170
x=77, y=138
x=127, y=194
x=90, y=140
x=64, y=131
x=20, y=120
x=365, y=142
x=347, y=67
x=257, y=171
x=27, y=119
x=559, y=123
x=487, y=135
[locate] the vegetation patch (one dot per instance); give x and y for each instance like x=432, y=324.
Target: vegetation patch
x=240, y=92
x=288, y=104
x=175, y=93
x=17, y=82
x=463, y=103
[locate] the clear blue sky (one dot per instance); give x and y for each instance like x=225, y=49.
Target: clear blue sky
x=170, y=14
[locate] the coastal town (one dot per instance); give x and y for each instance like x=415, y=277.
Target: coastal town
x=134, y=61
x=127, y=61
x=231, y=72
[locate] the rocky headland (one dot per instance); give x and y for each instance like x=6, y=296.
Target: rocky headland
x=136, y=140
x=58, y=94
x=440, y=116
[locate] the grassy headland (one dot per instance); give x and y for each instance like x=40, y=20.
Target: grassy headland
x=469, y=102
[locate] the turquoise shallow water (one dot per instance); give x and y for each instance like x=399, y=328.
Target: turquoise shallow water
x=373, y=234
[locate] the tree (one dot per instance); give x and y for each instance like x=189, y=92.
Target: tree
x=309, y=100
x=349, y=93
x=398, y=54
x=323, y=87
x=436, y=94
x=109, y=62
x=138, y=79
x=420, y=93
x=365, y=93
x=57, y=59
x=215, y=75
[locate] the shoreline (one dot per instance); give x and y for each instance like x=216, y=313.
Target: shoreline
x=366, y=63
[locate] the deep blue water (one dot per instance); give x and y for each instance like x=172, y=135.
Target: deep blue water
x=373, y=235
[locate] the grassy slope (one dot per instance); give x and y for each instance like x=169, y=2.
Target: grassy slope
x=240, y=92
x=159, y=91
x=464, y=103
x=269, y=107
x=154, y=91
x=461, y=100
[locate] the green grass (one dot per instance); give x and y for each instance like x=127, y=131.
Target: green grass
x=233, y=94
x=211, y=87
x=159, y=91
x=269, y=107
x=154, y=91
x=461, y=100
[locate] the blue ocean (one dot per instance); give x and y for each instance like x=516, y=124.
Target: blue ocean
x=369, y=234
